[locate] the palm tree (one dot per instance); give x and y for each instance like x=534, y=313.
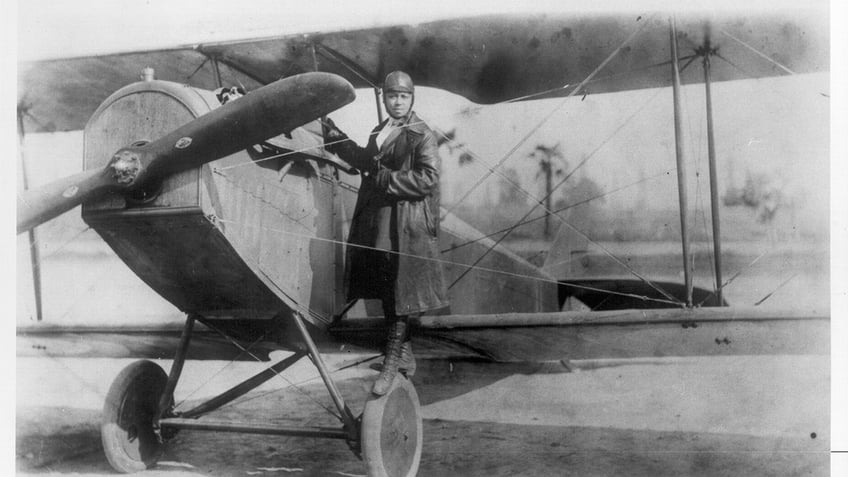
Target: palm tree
x=448, y=139
x=548, y=156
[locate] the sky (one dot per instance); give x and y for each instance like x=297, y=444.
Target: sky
x=44, y=30
x=95, y=26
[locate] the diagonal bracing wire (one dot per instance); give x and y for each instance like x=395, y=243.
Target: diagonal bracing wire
x=268, y=392
x=539, y=202
x=523, y=191
x=734, y=65
x=557, y=211
x=731, y=279
x=282, y=376
x=443, y=261
x=562, y=220
x=35, y=244
x=598, y=79
x=768, y=295
x=574, y=91
x=494, y=170
x=553, y=111
x=307, y=148
x=758, y=52
x=212, y=376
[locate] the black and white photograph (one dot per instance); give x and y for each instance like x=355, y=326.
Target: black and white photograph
x=404, y=238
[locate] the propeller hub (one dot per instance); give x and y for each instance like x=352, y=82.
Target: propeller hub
x=126, y=165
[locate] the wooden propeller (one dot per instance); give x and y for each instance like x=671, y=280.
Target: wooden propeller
x=264, y=113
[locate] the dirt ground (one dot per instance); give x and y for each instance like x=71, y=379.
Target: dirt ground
x=695, y=416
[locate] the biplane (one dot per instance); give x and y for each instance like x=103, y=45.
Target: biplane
x=234, y=212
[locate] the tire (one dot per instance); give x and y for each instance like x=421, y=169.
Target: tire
x=392, y=432
x=127, y=426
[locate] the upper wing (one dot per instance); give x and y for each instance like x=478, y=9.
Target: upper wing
x=497, y=58
x=60, y=95
x=487, y=59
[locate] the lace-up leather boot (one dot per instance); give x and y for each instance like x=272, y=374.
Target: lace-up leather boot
x=407, y=361
x=391, y=362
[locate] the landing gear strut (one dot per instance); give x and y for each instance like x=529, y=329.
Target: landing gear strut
x=138, y=415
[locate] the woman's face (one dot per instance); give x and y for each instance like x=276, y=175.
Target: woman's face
x=397, y=103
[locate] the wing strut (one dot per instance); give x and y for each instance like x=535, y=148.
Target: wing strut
x=681, y=163
x=354, y=68
x=34, y=253
x=706, y=51
x=216, y=68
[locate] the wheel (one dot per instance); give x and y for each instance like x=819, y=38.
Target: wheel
x=126, y=429
x=392, y=432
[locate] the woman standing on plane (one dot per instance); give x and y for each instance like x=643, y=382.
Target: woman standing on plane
x=392, y=253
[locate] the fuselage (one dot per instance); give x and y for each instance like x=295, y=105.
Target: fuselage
x=261, y=235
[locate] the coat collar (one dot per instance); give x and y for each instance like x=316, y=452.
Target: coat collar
x=411, y=123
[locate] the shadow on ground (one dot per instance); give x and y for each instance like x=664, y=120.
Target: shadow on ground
x=65, y=441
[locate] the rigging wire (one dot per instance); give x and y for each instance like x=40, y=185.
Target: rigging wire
x=283, y=213
x=522, y=190
x=306, y=149
x=315, y=377
x=779, y=95
x=699, y=198
x=553, y=111
x=564, y=222
x=557, y=211
x=737, y=67
x=775, y=290
x=752, y=76
x=80, y=297
x=38, y=266
x=35, y=243
x=657, y=288
x=588, y=79
x=259, y=395
x=344, y=61
x=699, y=201
x=540, y=278
x=491, y=170
x=540, y=202
x=732, y=278
x=699, y=155
x=238, y=345
x=591, y=79
x=56, y=358
x=529, y=195
x=24, y=109
x=212, y=376
x=206, y=59
x=219, y=171
x=243, y=349
x=758, y=52
x=599, y=79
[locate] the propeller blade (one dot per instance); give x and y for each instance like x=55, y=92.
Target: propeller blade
x=36, y=206
x=264, y=113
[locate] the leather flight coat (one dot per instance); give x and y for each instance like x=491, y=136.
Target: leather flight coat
x=403, y=189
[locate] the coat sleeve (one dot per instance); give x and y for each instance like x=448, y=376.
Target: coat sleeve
x=420, y=180
x=349, y=151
